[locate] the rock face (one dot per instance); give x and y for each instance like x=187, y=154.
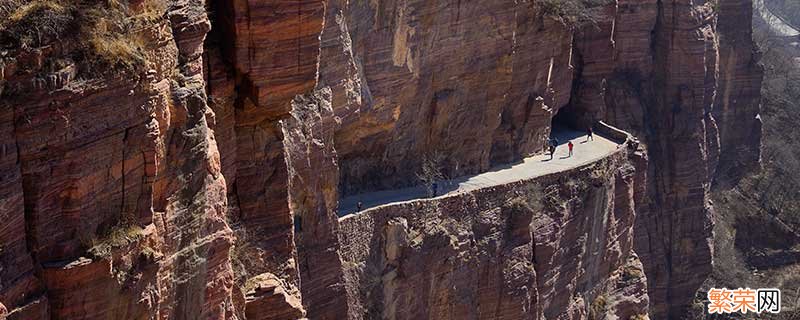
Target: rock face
x=196, y=172
x=738, y=100
x=689, y=87
x=537, y=249
x=313, y=168
x=411, y=79
x=263, y=55
x=124, y=203
x=269, y=300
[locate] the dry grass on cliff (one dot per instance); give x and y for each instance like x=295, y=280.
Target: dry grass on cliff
x=574, y=13
x=107, y=34
x=528, y=197
x=116, y=238
x=598, y=307
x=31, y=24
x=113, y=38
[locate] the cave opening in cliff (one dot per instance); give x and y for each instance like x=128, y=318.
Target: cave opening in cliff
x=567, y=119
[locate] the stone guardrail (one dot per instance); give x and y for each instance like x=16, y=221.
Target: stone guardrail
x=618, y=135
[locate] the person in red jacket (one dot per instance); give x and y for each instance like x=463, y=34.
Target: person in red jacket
x=570, y=145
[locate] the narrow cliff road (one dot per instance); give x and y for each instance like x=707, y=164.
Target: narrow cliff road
x=531, y=167
x=777, y=25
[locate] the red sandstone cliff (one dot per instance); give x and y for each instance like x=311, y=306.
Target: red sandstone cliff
x=114, y=205
x=556, y=247
x=681, y=75
x=202, y=181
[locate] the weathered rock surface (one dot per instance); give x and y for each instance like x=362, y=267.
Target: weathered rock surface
x=262, y=55
x=624, y=294
x=204, y=182
x=269, y=299
x=534, y=249
x=124, y=203
x=738, y=100
x=674, y=236
x=20, y=288
x=313, y=182
x=683, y=78
x=460, y=78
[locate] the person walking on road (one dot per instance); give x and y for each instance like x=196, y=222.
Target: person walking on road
x=570, y=145
x=589, y=134
x=552, y=151
x=359, y=205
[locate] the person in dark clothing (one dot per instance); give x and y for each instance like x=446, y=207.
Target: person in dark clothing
x=570, y=145
x=589, y=134
x=298, y=224
x=552, y=151
x=358, y=206
x=434, y=188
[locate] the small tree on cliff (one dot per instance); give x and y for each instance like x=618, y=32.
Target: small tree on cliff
x=431, y=170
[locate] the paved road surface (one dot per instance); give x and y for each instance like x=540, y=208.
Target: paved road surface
x=534, y=166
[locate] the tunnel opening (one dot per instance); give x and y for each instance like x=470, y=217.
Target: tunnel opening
x=568, y=118
x=567, y=126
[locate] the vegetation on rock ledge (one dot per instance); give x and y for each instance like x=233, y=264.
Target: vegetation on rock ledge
x=101, y=33
x=574, y=13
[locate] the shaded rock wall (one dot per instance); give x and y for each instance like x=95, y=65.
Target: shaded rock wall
x=675, y=241
x=281, y=163
x=21, y=288
x=549, y=248
x=738, y=99
x=313, y=171
x=261, y=55
x=459, y=78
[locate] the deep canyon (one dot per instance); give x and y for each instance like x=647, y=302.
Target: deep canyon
x=185, y=159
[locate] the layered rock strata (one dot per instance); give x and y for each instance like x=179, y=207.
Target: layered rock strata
x=683, y=77
x=552, y=247
x=115, y=198
x=203, y=181
x=475, y=81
